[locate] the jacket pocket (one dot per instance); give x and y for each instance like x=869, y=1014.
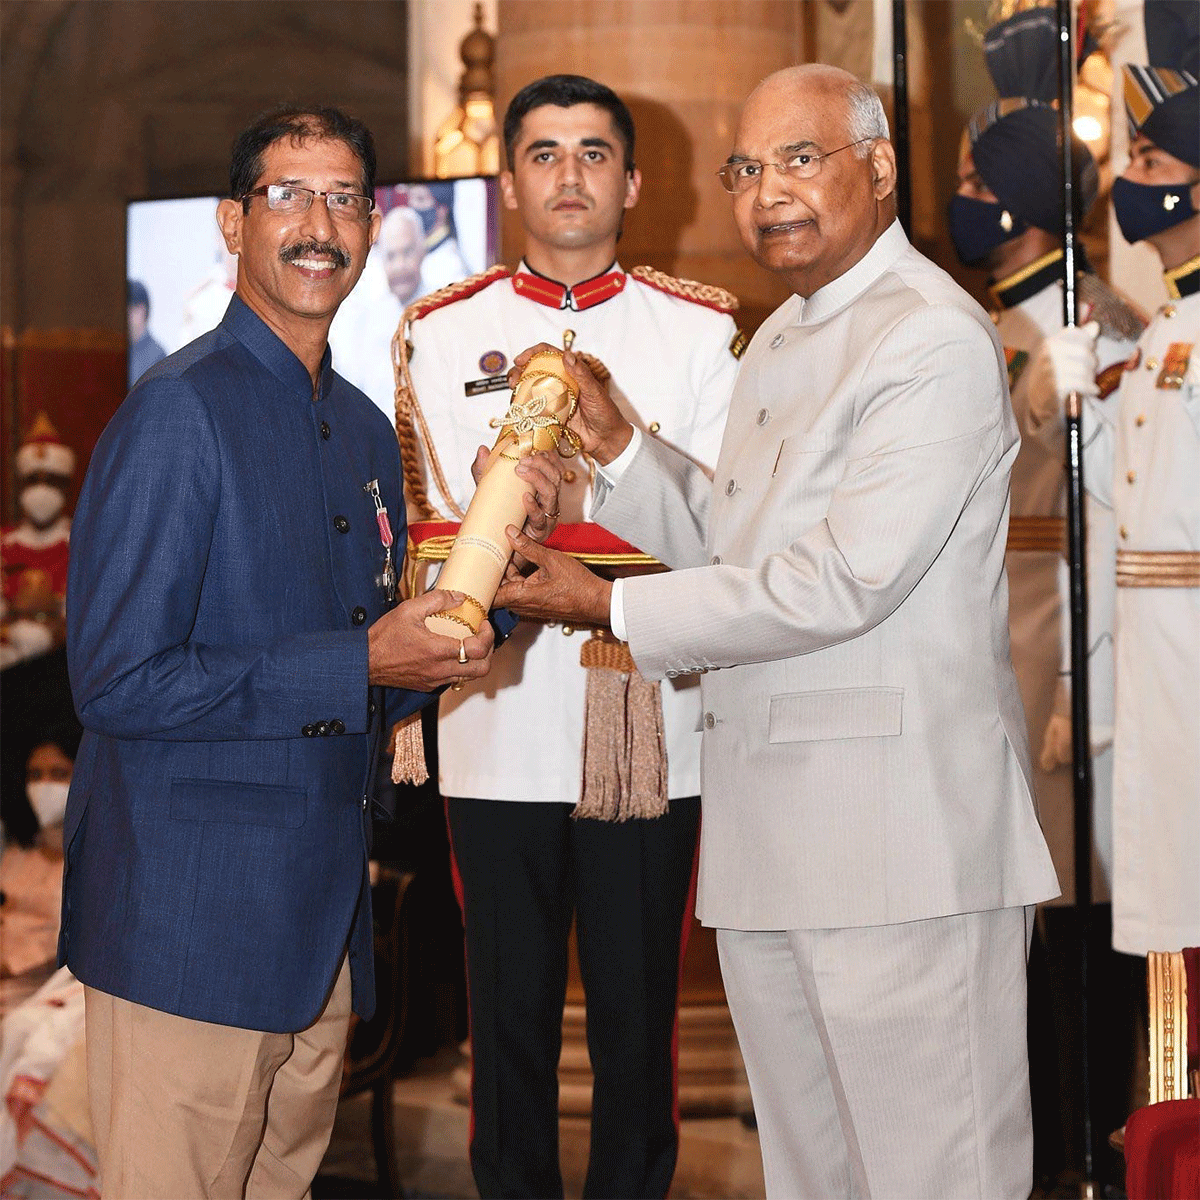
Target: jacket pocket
x=232, y=803
x=835, y=714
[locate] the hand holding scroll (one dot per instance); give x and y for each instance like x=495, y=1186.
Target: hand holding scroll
x=597, y=421
x=543, y=400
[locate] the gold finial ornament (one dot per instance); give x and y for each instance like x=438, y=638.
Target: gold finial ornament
x=467, y=142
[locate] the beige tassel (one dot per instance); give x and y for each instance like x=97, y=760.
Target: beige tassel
x=624, y=747
x=408, y=764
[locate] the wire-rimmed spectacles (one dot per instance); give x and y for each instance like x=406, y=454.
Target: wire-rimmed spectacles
x=289, y=198
x=745, y=173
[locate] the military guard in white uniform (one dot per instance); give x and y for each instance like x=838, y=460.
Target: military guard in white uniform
x=524, y=865
x=1007, y=217
x=1147, y=465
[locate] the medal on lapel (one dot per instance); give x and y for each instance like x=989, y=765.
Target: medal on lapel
x=387, y=580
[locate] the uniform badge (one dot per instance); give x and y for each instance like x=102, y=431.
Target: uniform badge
x=492, y=362
x=738, y=346
x=1175, y=365
x=1016, y=360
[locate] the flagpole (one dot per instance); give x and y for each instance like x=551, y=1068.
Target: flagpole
x=900, y=114
x=1077, y=565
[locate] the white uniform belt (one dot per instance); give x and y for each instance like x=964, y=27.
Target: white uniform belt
x=1158, y=568
x=1037, y=533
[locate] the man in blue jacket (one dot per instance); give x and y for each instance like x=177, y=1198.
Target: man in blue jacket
x=232, y=632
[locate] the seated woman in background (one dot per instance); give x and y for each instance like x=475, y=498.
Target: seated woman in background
x=31, y=867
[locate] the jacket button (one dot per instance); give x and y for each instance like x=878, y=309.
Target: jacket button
x=370, y=708
x=654, y=427
x=777, y=341
x=309, y=731
x=322, y=728
x=325, y=431
x=337, y=726
x=364, y=804
x=568, y=477
x=341, y=524
x=672, y=674
x=763, y=416
x=715, y=560
x=359, y=615
x=709, y=721
x=731, y=487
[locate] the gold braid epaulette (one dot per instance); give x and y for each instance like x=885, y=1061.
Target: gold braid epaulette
x=707, y=294
x=411, y=428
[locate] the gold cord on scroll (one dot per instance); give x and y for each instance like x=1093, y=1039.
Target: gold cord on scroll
x=543, y=401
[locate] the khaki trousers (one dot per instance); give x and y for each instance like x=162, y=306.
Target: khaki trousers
x=184, y=1108
x=887, y=1063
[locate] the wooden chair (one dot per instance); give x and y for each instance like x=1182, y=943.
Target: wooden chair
x=1162, y=1140
x=375, y=1044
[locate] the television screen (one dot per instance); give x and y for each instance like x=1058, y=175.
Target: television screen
x=432, y=233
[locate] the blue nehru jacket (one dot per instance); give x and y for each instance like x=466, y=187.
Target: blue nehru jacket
x=225, y=568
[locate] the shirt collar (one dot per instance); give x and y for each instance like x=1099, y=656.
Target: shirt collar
x=1032, y=278
x=529, y=283
x=260, y=339
x=1028, y=281
x=1184, y=280
x=851, y=284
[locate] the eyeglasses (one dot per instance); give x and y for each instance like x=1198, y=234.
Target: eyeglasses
x=288, y=198
x=742, y=175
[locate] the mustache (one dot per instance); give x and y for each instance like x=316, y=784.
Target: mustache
x=298, y=250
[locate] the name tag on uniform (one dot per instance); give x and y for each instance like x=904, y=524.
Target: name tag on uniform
x=477, y=387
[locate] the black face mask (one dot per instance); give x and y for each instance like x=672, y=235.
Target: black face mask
x=977, y=227
x=1144, y=209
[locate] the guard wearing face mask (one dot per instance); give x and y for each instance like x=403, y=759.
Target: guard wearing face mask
x=1007, y=217
x=1147, y=466
x=39, y=540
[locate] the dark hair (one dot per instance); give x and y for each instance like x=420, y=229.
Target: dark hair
x=65, y=732
x=135, y=294
x=564, y=91
x=299, y=123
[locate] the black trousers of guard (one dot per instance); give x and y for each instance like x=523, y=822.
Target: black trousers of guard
x=522, y=870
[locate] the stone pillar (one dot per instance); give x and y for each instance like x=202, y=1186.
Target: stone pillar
x=683, y=67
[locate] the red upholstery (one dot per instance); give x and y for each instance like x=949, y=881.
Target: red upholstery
x=1162, y=1151
x=583, y=538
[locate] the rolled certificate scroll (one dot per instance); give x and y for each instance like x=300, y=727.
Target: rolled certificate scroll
x=544, y=399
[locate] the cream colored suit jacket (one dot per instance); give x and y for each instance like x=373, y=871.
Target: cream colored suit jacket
x=840, y=586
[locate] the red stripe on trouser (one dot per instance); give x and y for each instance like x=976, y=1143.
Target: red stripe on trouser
x=689, y=911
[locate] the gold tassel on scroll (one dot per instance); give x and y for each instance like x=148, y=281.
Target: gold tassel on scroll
x=624, y=744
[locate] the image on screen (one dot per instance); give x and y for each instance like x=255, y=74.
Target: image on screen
x=432, y=233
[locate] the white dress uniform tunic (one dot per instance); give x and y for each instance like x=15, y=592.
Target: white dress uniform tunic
x=526, y=867
x=1151, y=459
x=672, y=374
x=1028, y=306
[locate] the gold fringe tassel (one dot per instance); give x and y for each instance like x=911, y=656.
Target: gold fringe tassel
x=624, y=746
x=408, y=762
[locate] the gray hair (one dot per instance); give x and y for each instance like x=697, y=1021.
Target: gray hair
x=866, y=118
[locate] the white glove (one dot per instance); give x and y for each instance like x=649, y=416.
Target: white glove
x=1066, y=362
x=1056, y=744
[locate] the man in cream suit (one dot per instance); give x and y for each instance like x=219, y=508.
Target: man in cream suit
x=870, y=849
